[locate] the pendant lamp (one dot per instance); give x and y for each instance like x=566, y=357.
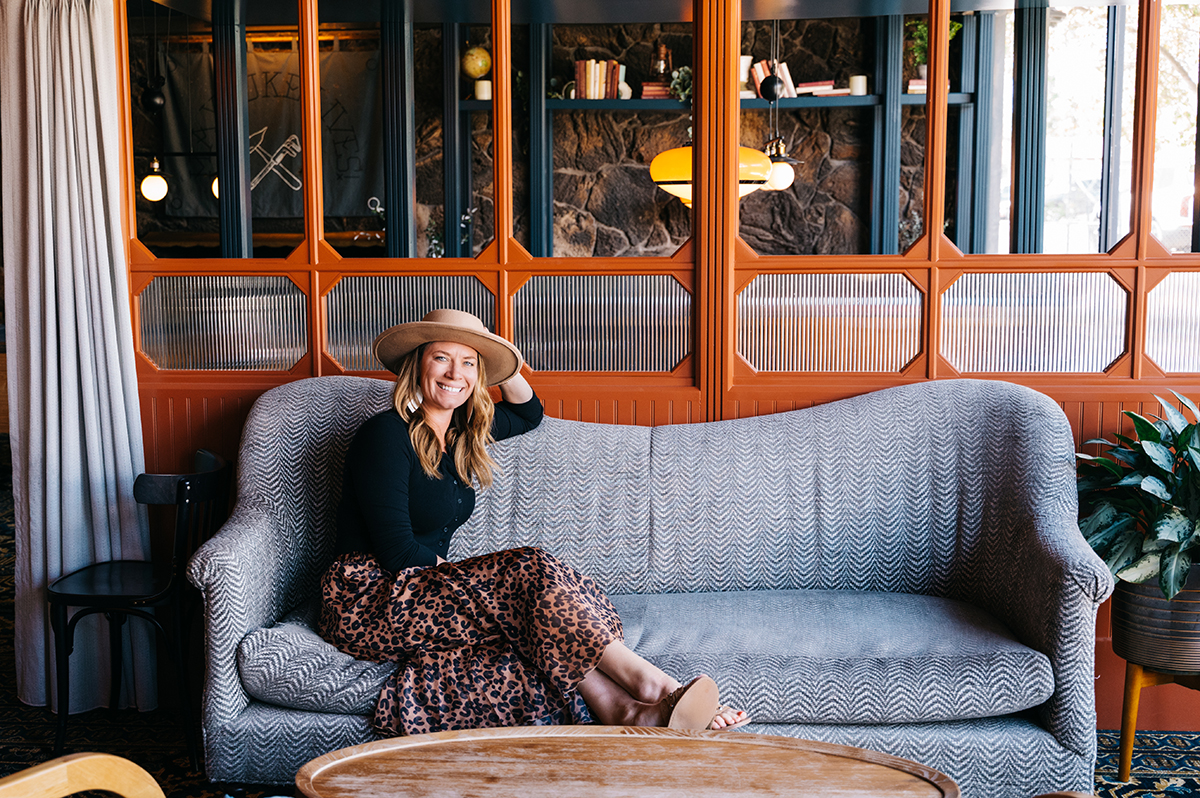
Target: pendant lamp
x=154, y=185
x=783, y=171
x=671, y=170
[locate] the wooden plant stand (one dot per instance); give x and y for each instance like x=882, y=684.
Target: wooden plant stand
x=1137, y=677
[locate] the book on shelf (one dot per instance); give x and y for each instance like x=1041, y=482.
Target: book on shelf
x=757, y=73
x=830, y=92
x=655, y=90
x=785, y=74
x=811, y=86
x=598, y=79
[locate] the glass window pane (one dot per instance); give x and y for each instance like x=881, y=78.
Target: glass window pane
x=276, y=166
x=607, y=116
x=1174, y=205
x=818, y=134
x=1056, y=177
x=174, y=131
x=1033, y=322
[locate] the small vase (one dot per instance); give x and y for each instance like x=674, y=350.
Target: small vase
x=923, y=71
x=1151, y=631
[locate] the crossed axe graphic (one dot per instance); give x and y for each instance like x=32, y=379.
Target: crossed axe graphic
x=274, y=160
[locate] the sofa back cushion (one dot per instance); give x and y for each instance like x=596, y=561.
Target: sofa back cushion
x=884, y=491
x=290, y=465
x=579, y=491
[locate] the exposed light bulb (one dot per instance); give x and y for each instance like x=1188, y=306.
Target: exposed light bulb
x=216, y=187
x=782, y=176
x=154, y=185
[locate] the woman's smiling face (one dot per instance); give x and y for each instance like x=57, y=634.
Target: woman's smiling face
x=449, y=372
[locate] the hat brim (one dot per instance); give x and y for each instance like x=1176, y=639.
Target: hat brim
x=501, y=360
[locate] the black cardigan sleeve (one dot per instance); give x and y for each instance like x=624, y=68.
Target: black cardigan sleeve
x=511, y=419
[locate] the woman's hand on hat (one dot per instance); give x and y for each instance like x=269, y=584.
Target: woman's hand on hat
x=516, y=390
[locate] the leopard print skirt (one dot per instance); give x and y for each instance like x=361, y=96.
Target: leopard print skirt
x=498, y=640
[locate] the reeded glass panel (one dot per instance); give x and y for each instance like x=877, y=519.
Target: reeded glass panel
x=1173, y=322
x=224, y=323
x=829, y=322
x=360, y=307
x=603, y=322
x=1033, y=322
x=1174, y=206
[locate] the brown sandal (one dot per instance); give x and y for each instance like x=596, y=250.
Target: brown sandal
x=692, y=706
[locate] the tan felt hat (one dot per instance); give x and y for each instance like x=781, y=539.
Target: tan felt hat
x=501, y=360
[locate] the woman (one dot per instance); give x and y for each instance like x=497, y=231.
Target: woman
x=507, y=639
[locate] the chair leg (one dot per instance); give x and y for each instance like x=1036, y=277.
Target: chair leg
x=178, y=648
x=116, y=620
x=62, y=659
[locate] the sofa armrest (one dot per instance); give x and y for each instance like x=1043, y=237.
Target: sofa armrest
x=237, y=572
x=1030, y=566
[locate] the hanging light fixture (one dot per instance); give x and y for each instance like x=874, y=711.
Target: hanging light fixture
x=216, y=188
x=671, y=170
x=783, y=172
x=154, y=185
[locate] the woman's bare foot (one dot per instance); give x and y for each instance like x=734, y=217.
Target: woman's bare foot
x=728, y=717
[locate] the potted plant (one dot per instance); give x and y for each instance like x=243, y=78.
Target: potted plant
x=918, y=38
x=1140, y=509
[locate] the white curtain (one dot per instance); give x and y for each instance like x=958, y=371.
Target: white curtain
x=72, y=388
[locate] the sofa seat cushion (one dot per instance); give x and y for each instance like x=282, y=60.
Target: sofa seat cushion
x=833, y=656
x=290, y=665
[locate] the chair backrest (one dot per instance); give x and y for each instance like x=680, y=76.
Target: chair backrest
x=201, y=501
x=76, y=773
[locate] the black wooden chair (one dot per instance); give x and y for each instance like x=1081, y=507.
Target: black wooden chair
x=127, y=587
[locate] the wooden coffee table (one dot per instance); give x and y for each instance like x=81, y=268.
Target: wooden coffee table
x=597, y=761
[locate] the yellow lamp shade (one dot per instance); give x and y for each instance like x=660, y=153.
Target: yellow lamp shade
x=216, y=187
x=671, y=170
x=154, y=187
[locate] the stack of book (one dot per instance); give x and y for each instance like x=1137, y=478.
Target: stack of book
x=598, y=79
x=656, y=91
x=760, y=71
x=830, y=91
x=917, y=86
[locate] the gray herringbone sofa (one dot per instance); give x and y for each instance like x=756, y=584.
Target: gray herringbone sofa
x=900, y=571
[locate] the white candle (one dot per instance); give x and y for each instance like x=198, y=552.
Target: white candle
x=858, y=84
x=483, y=90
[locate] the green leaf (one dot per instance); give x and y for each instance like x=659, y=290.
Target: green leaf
x=1101, y=517
x=1125, y=439
x=1174, y=418
x=1154, y=544
x=1115, y=534
x=1131, y=456
x=1175, y=565
x=1189, y=404
x=1166, y=435
x=1155, y=487
x=1102, y=462
x=1194, y=455
x=1145, y=427
x=1172, y=526
x=1099, y=441
x=1134, y=478
x=1123, y=553
x=1145, y=568
x=1159, y=455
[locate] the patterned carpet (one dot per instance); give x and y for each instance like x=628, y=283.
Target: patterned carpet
x=1166, y=764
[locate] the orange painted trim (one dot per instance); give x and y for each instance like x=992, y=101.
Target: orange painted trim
x=936, y=116
x=1145, y=108
x=502, y=119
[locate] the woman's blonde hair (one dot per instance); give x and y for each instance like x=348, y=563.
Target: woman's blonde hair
x=470, y=429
